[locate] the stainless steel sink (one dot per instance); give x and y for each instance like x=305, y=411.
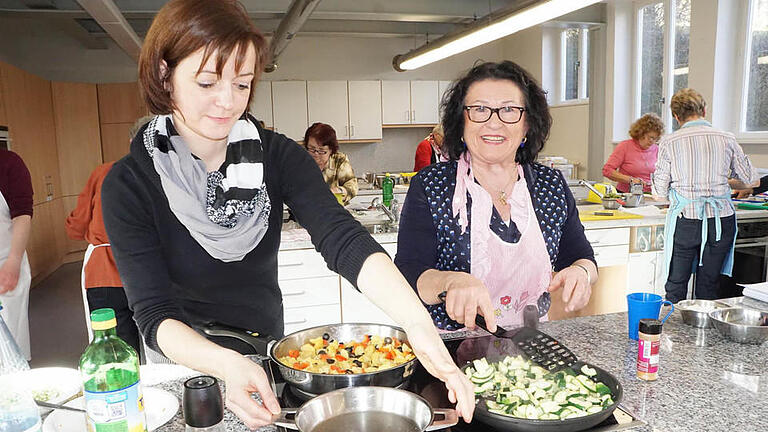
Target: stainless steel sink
x=381, y=228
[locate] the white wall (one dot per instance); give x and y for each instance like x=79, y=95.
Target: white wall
x=395, y=153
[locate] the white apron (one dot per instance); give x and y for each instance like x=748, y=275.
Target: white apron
x=15, y=311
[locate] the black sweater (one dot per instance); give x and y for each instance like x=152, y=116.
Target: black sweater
x=168, y=275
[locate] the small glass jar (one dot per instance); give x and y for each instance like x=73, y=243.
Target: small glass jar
x=648, y=342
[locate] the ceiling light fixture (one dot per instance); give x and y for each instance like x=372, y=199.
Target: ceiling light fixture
x=487, y=31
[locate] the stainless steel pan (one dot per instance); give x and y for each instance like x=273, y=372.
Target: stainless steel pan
x=317, y=383
x=366, y=409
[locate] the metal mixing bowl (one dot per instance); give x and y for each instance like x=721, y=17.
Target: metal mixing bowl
x=611, y=203
x=741, y=325
x=696, y=312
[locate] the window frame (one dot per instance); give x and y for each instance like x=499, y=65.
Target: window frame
x=743, y=135
x=581, y=75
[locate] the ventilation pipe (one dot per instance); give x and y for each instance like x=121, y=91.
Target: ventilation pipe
x=294, y=19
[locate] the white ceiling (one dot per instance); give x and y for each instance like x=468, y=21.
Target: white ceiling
x=35, y=31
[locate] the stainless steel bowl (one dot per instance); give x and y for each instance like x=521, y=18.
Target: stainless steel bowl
x=611, y=203
x=366, y=409
x=741, y=324
x=696, y=312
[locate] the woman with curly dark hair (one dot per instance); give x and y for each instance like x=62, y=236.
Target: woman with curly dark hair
x=482, y=232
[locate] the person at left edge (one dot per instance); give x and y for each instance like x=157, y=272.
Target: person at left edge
x=194, y=211
x=15, y=226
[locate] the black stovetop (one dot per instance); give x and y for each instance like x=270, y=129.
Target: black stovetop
x=431, y=389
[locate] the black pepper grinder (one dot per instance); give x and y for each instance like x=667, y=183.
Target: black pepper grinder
x=202, y=404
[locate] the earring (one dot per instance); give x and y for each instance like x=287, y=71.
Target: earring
x=522, y=143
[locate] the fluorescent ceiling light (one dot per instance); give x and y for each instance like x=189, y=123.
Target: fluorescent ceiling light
x=762, y=60
x=475, y=36
x=680, y=71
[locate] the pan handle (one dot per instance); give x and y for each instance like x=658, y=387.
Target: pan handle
x=286, y=418
x=450, y=418
x=260, y=343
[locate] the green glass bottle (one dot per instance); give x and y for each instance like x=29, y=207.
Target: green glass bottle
x=387, y=187
x=110, y=371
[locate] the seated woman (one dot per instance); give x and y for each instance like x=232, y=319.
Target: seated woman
x=320, y=141
x=634, y=160
x=485, y=229
x=429, y=150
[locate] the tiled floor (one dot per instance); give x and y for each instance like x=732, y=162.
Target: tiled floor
x=56, y=319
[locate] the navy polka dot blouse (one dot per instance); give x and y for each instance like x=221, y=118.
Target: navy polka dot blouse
x=430, y=237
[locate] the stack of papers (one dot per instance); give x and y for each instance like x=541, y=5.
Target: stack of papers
x=757, y=291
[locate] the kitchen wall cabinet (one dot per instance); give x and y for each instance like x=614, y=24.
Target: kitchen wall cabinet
x=365, y=110
x=424, y=97
x=396, y=102
x=261, y=104
x=328, y=102
x=442, y=87
x=409, y=102
x=289, y=108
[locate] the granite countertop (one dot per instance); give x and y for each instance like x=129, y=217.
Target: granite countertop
x=706, y=382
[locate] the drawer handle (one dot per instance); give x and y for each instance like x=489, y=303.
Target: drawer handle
x=302, y=321
x=595, y=241
x=296, y=264
x=297, y=293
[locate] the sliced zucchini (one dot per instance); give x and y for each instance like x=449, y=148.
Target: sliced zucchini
x=588, y=371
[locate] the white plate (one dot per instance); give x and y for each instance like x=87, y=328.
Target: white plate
x=159, y=406
x=61, y=383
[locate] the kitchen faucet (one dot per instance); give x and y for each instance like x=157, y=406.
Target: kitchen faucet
x=392, y=212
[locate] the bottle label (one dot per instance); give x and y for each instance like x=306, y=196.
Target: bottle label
x=648, y=356
x=116, y=411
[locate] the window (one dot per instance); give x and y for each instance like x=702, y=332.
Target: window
x=662, y=68
x=755, y=110
x=575, y=57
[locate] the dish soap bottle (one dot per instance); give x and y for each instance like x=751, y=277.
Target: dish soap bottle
x=386, y=190
x=110, y=371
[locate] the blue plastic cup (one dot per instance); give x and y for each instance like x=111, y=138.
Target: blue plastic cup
x=644, y=305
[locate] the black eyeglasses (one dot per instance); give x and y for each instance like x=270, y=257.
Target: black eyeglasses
x=317, y=151
x=507, y=114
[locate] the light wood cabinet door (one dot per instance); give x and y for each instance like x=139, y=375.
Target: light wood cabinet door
x=395, y=102
x=75, y=109
x=261, y=105
x=365, y=110
x=424, y=102
x=115, y=140
x=327, y=102
x=120, y=103
x=289, y=108
x=3, y=118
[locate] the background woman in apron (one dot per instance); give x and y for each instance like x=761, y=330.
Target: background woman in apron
x=99, y=277
x=693, y=168
x=15, y=225
x=486, y=229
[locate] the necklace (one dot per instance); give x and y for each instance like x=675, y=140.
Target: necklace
x=502, y=193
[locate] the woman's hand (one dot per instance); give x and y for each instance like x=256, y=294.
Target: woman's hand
x=243, y=377
x=466, y=297
x=433, y=355
x=744, y=193
x=576, y=286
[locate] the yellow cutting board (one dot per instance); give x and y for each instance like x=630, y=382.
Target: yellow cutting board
x=591, y=216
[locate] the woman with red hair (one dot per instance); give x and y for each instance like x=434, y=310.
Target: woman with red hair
x=320, y=141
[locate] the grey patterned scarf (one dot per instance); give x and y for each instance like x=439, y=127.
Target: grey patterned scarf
x=226, y=211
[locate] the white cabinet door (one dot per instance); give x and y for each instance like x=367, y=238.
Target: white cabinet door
x=327, y=103
x=641, y=272
x=356, y=308
x=442, y=87
x=365, y=110
x=395, y=102
x=261, y=104
x=289, y=107
x=300, y=318
x=424, y=102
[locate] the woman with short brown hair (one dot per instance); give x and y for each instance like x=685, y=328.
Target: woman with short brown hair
x=321, y=143
x=633, y=160
x=194, y=212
